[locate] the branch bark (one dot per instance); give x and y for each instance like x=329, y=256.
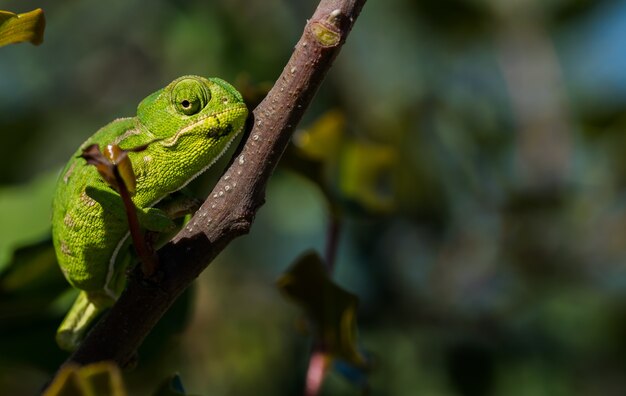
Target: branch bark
x=229, y=210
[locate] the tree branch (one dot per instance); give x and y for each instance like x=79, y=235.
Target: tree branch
x=230, y=209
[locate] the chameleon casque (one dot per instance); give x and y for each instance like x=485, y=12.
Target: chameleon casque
x=187, y=126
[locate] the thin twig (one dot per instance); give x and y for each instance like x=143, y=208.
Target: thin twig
x=332, y=240
x=319, y=361
x=146, y=255
x=318, y=367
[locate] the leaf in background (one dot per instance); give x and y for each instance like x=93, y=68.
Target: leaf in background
x=347, y=169
x=366, y=175
x=315, y=150
x=97, y=379
x=34, y=296
x=323, y=139
x=24, y=214
x=32, y=270
x=331, y=309
x=17, y=28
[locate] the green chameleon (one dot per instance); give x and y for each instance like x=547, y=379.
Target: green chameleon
x=187, y=126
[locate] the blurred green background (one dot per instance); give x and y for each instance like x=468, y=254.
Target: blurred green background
x=474, y=150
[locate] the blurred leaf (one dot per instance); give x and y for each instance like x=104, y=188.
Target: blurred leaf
x=331, y=309
x=366, y=175
x=31, y=303
x=25, y=214
x=17, y=28
x=323, y=139
x=360, y=172
x=98, y=379
x=30, y=268
x=314, y=153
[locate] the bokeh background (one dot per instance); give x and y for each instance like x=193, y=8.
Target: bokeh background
x=472, y=150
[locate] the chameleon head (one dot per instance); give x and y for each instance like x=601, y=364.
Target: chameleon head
x=194, y=116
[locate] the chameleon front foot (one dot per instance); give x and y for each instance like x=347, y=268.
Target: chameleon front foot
x=86, y=308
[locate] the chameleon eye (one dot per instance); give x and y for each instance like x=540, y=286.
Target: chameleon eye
x=189, y=96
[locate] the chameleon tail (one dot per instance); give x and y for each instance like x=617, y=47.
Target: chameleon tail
x=80, y=316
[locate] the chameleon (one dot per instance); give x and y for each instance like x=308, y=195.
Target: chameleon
x=186, y=126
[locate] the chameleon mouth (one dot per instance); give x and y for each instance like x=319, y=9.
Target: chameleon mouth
x=215, y=126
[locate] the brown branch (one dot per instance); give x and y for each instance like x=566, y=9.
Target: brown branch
x=230, y=209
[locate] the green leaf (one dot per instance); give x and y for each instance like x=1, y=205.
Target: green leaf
x=331, y=309
x=32, y=269
x=358, y=173
x=17, y=28
x=323, y=139
x=366, y=175
x=25, y=214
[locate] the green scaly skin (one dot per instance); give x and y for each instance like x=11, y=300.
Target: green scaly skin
x=190, y=123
